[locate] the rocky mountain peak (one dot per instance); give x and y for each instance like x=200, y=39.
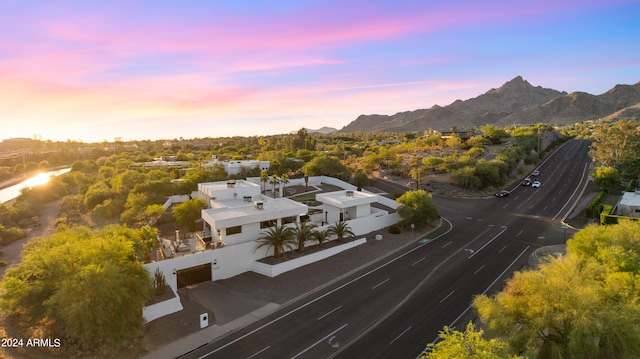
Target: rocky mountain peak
x=516, y=101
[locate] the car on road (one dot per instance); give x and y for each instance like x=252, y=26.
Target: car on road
x=535, y=173
x=535, y=184
x=503, y=193
x=526, y=182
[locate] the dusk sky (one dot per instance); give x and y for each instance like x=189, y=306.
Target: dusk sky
x=97, y=70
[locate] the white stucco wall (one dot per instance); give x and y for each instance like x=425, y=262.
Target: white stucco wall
x=159, y=310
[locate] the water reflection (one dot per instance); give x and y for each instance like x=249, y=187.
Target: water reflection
x=12, y=192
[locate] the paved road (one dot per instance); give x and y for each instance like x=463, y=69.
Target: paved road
x=393, y=309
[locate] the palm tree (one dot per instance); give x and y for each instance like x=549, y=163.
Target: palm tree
x=320, y=236
x=264, y=178
x=281, y=238
x=284, y=179
x=274, y=180
x=340, y=230
x=303, y=233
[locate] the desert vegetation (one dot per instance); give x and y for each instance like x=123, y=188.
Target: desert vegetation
x=109, y=185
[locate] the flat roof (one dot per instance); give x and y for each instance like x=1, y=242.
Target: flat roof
x=630, y=199
x=235, y=212
x=347, y=198
x=222, y=185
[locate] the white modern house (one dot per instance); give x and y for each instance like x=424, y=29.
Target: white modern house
x=238, y=213
x=346, y=205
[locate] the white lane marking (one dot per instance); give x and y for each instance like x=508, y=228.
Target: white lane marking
x=487, y=289
x=479, y=269
x=447, y=244
x=486, y=244
x=327, y=293
x=519, y=233
x=329, y=313
x=381, y=283
x=584, y=171
x=418, y=261
x=256, y=353
x=319, y=341
x=401, y=334
x=502, y=249
x=448, y=295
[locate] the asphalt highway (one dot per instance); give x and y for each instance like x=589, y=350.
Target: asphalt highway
x=392, y=309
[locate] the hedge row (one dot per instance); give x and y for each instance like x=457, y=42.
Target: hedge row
x=594, y=208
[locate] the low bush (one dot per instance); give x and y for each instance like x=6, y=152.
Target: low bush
x=395, y=229
x=594, y=208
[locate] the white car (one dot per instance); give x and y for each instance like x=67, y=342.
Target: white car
x=535, y=184
x=535, y=173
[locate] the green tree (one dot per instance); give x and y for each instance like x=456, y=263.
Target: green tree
x=569, y=308
x=326, y=166
x=466, y=177
x=341, y=230
x=281, y=238
x=125, y=181
x=417, y=207
x=616, y=246
x=303, y=233
x=152, y=213
x=360, y=180
x=83, y=287
x=284, y=179
x=617, y=145
x=96, y=194
x=187, y=212
x=432, y=162
x=493, y=133
x=454, y=142
x=273, y=181
x=606, y=177
x=469, y=344
x=320, y=237
x=264, y=178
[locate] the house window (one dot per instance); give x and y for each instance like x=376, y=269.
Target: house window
x=234, y=230
x=268, y=224
x=287, y=220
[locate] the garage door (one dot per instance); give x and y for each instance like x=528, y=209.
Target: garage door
x=194, y=275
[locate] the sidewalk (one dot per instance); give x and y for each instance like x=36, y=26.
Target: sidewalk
x=239, y=301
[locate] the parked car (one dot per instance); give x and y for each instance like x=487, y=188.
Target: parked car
x=503, y=193
x=535, y=184
x=526, y=182
x=535, y=173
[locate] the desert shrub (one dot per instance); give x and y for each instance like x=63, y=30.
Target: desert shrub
x=159, y=282
x=395, y=229
x=11, y=234
x=594, y=208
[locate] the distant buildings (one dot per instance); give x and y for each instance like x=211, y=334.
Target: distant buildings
x=234, y=167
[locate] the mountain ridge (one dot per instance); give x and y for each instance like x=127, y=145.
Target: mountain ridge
x=516, y=101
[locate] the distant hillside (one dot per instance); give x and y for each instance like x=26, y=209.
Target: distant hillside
x=517, y=101
x=323, y=130
x=620, y=101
